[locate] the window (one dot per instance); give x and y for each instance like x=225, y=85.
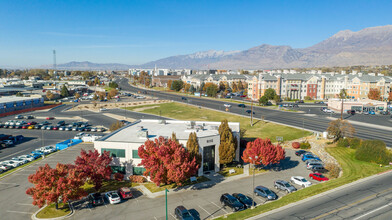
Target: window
x=135, y=154
x=115, y=152
x=118, y=169
x=138, y=170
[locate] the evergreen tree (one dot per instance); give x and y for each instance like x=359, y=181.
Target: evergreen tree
x=64, y=91
x=193, y=147
x=174, y=138
x=227, y=145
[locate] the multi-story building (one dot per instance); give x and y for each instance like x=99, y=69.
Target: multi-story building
x=197, y=79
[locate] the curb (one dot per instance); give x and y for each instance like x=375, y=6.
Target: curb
x=34, y=216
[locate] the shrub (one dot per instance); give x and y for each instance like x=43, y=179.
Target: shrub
x=333, y=170
x=343, y=142
x=137, y=179
x=373, y=151
x=119, y=176
x=295, y=145
x=354, y=142
x=305, y=145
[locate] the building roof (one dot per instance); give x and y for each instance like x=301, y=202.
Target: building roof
x=134, y=133
x=7, y=99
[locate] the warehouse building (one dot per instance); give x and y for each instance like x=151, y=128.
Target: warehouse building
x=14, y=103
x=123, y=144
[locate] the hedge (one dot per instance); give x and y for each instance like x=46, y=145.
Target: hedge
x=374, y=151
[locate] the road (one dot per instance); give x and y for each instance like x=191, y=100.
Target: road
x=370, y=199
x=312, y=122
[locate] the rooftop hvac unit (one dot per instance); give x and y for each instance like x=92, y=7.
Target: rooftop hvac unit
x=142, y=134
x=162, y=122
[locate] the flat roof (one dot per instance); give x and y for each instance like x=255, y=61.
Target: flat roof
x=6, y=99
x=133, y=133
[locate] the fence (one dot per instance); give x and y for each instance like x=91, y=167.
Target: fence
x=28, y=110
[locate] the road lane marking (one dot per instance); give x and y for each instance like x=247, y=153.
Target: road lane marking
x=24, y=204
x=27, y=213
x=375, y=210
x=14, y=153
x=209, y=214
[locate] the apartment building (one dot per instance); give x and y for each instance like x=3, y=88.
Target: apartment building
x=198, y=79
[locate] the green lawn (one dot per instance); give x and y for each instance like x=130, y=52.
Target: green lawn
x=260, y=129
x=225, y=171
x=352, y=170
x=154, y=188
x=50, y=211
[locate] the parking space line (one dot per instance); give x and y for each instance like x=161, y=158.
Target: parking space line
x=155, y=218
x=27, y=213
x=220, y=207
x=24, y=204
x=173, y=216
x=209, y=214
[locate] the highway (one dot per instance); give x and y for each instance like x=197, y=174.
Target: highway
x=314, y=123
x=370, y=199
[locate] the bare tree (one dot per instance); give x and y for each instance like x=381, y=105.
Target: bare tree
x=340, y=128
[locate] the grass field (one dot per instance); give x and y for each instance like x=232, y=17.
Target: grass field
x=352, y=170
x=260, y=129
x=226, y=171
x=154, y=188
x=50, y=211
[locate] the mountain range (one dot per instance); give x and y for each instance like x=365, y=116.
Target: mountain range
x=369, y=46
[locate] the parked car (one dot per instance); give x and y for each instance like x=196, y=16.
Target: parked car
x=20, y=160
x=94, y=129
x=227, y=105
x=4, y=166
x=8, y=143
x=37, y=126
x=35, y=155
x=265, y=192
x=31, y=127
x=246, y=200
x=230, y=201
x=25, y=126
x=313, y=165
x=56, y=127
x=285, y=186
x=365, y=112
x=48, y=149
x=318, y=177
x=180, y=212
x=45, y=123
x=372, y=113
x=12, y=163
x=95, y=199
x=50, y=127
x=242, y=105
x=113, y=197
x=29, y=117
x=32, y=123
x=100, y=129
x=20, y=123
x=27, y=157
x=60, y=123
x=19, y=117
x=300, y=152
x=308, y=157
x=351, y=112
x=125, y=193
x=299, y=180
x=384, y=112
x=50, y=118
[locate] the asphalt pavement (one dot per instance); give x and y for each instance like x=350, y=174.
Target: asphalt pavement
x=316, y=122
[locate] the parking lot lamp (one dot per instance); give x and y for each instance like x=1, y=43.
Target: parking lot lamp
x=254, y=167
x=166, y=200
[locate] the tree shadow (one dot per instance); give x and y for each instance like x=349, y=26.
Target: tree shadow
x=284, y=164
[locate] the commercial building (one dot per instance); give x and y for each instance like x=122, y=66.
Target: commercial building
x=123, y=144
x=359, y=105
x=14, y=103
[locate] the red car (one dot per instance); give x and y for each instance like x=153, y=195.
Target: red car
x=32, y=123
x=56, y=127
x=243, y=96
x=25, y=126
x=125, y=193
x=49, y=118
x=318, y=177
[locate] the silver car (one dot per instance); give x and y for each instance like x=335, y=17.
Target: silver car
x=284, y=185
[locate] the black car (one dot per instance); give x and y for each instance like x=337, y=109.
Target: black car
x=229, y=200
x=244, y=199
x=300, y=152
x=351, y=112
x=182, y=213
x=60, y=123
x=95, y=199
x=249, y=111
x=242, y=105
x=183, y=98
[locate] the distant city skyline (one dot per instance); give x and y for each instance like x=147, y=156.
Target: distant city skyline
x=136, y=32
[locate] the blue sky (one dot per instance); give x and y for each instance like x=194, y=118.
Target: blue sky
x=135, y=32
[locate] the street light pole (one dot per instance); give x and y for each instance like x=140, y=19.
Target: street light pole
x=251, y=114
x=166, y=200
x=253, y=187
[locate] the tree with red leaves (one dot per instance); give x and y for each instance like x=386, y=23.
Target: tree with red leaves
x=166, y=161
x=374, y=94
x=390, y=97
x=53, y=184
x=94, y=166
x=266, y=152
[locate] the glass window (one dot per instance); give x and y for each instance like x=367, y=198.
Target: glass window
x=135, y=154
x=138, y=170
x=115, y=152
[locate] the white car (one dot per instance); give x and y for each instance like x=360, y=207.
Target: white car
x=299, y=180
x=103, y=109
x=227, y=105
x=4, y=166
x=47, y=149
x=12, y=163
x=20, y=123
x=113, y=197
x=27, y=157
x=328, y=111
x=17, y=159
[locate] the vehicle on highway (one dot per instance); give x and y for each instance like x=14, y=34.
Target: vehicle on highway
x=230, y=201
x=19, y=117
x=227, y=105
x=27, y=157
x=351, y=112
x=318, y=177
x=50, y=118
x=299, y=180
x=181, y=213
x=265, y=192
x=246, y=200
x=300, y=152
x=103, y=109
x=328, y=111
x=242, y=105
x=249, y=111
x=95, y=199
x=285, y=186
x=183, y=98
x=113, y=197
x=125, y=193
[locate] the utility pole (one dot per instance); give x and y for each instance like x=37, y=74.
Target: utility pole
x=341, y=109
x=251, y=114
